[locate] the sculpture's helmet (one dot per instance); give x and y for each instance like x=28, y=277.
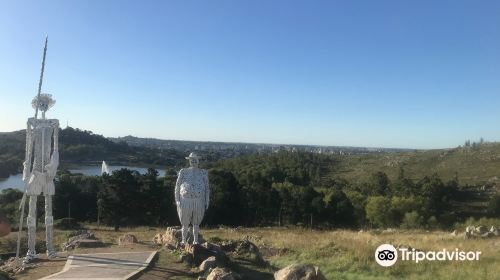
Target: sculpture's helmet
x=44, y=102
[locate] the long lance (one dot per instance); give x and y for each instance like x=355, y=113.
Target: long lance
x=22, y=205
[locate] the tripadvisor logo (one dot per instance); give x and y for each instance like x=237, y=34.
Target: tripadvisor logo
x=387, y=255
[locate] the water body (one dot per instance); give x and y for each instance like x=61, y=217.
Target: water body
x=16, y=182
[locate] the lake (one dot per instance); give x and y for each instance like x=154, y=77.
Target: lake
x=15, y=181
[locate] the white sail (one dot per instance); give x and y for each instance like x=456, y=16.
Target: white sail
x=104, y=169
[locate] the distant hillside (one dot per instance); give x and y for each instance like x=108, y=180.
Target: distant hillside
x=478, y=164
x=81, y=146
x=237, y=148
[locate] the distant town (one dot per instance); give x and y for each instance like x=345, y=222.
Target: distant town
x=231, y=149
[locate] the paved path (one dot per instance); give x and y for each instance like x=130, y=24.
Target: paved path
x=104, y=266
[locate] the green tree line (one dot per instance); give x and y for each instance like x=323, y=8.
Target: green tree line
x=285, y=188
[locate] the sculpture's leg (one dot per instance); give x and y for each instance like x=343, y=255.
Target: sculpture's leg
x=183, y=217
x=31, y=223
x=185, y=229
x=49, y=226
x=198, y=212
x=196, y=230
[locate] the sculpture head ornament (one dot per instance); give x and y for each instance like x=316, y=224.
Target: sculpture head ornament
x=44, y=102
x=194, y=160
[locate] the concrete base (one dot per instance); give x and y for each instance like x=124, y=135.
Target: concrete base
x=104, y=266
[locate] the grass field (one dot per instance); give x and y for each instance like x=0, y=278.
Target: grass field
x=472, y=165
x=340, y=254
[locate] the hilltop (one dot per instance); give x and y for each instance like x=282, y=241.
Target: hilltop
x=84, y=147
x=478, y=164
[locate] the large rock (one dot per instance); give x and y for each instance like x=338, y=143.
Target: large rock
x=16, y=265
x=82, y=239
x=299, y=272
x=494, y=231
x=200, y=253
x=481, y=229
x=220, y=274
x=172, y=238
x=480, y=232
x=207, y=264
x=127, y=239
x=248, y=249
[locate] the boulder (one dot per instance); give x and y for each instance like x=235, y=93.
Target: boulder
x=389, y=230
x=127, y=239
x=200, y=253
x=82, y=239
x=220, y=274
x=494, y=230
x=470, y=229
x=186, y=258
x=481, y=229
x=250, y=250
x=14, y=266
x=207, y=264
x=172, y=238
x=299, y=272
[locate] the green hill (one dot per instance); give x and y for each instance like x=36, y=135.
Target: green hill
x=471, y=165
x=83, y=147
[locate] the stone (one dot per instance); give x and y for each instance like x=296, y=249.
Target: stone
x=228, y=246
x=84, y=239
x=207, y=264
x=250, y=250
x=220, y=274
x=299, y=272
x=89, y=243
x=172, y=238
x=480, y=232
x=16, y=265
x=469, y=229
x=494, y=230
x=201, y=253
x=186, y=258
x=127, y=239
x=481, y=229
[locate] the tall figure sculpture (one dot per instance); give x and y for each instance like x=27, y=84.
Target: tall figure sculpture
x=40, y=167
x=192, y=195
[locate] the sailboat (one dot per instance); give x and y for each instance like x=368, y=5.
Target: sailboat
x=104, y=168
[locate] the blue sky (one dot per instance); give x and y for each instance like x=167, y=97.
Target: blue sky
x=419, y=74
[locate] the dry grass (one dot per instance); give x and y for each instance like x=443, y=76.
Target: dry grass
x=343, y=254
x=340, y=254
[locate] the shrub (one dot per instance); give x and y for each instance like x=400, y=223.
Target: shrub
x=412, y=220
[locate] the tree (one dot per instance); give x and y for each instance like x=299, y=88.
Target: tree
x=9, y=203
x=377, y=185
x=402, y=205
x=412, y=220
x=378, y=211
x=494, y=206
x=119, y=195
x=339, y=208
x=225, y=206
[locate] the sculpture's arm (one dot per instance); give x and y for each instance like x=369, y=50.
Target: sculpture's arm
x=54, y=158
x=178, y=188
x=207, y=189
x=28, y=151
